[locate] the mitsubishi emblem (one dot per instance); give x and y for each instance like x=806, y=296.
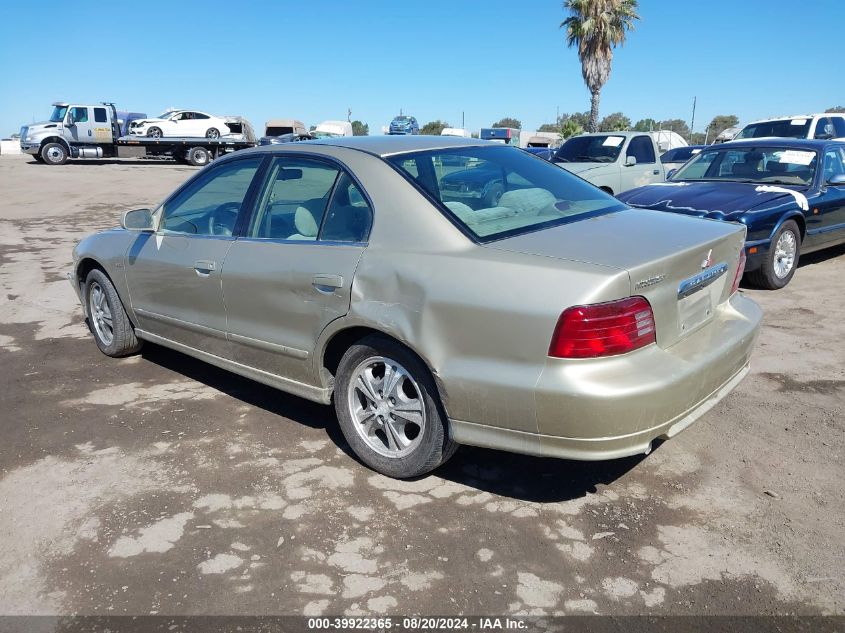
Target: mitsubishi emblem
x=707, y=262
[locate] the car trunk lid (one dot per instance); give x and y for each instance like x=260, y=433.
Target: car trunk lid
x=683, y=266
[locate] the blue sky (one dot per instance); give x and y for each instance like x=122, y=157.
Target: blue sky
x=434, y=59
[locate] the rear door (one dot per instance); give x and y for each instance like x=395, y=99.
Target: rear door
x=291, y=273
x=174, y=274
x=647, y=168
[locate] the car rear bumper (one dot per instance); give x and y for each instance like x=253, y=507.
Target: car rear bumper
x=615, y=407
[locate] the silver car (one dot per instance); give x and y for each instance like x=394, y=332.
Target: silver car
x=558, y=322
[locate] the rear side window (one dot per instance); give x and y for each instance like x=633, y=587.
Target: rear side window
x=642, y=149
x=838, y=126
x=100, y=115
x=349, y=215
x=295, y=199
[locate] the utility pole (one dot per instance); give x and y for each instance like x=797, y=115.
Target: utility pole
x=692, y=123
x=348, y=115
x=463, y=120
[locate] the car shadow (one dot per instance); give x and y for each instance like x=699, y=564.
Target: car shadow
x=522, y=477
x=810, y=259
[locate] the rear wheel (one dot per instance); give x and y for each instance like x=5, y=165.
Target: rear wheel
x=198, y=156
x=212, y=133
x=154, y=132
x=112, y=329
x=54, y=154
x=781, y=261
x=389, y=410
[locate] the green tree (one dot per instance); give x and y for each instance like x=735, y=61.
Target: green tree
x=836, y=109
x=697, y=138
x=596, y=27
x=645, y=125
x=508, y=122
x=616, y=122
x=549, y=127
x=570, y=128
x=722, y=122
x=434, y=128
x=675, y=125
x=360, y=129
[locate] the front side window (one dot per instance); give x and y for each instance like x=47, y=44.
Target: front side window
x=210, y=204
x=100, y=115
x=642, y=149
x=495, y=192
x=833, y=164
x=772, y=165
x=590, y=149
x=79, y=114
x=294, y=200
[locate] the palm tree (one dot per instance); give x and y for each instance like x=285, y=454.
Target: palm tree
x=597, y=27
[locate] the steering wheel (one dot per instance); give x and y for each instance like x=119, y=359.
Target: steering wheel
x=222, y=220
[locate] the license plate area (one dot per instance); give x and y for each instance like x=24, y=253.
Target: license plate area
x=697, y=297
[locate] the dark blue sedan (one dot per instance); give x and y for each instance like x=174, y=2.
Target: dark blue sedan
x=789, y=193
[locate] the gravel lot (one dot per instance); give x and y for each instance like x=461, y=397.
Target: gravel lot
x=159, y=484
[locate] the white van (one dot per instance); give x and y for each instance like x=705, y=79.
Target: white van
x=332, y=129
x=456, y=131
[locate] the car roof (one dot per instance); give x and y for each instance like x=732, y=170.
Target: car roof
x=388, y=145
x=768, y=141
x=794, y=116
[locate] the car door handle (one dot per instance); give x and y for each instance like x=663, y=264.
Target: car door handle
x=656, y=172
x=327, y=283
x=204, y=267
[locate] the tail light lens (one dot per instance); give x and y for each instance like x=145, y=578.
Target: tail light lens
x=740, y=269
x=603, y=329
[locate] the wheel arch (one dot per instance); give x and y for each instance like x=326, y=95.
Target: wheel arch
x=83, y=268
x=54, y=139
x=797, y=217
x=344, y=337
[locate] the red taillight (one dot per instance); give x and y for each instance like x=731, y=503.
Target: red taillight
x=603, y=329
x=740, y=269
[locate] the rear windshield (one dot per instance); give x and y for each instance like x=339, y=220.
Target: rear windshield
x=498, y=191
x=786, y=128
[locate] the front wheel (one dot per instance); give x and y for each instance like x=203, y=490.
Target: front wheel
x=54, y=154
x=781, y=261
x=112, y=329
x=154, y=132
x=389, y=410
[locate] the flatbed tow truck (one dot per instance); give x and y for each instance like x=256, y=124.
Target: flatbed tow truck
x=94, y=132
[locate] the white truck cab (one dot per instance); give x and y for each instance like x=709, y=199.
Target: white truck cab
x=612, y=161
x=826, y=125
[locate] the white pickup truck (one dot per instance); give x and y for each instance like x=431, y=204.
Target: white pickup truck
x=613, y=161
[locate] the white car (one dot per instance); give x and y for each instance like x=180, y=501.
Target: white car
x=181, y=123
x=827, y=125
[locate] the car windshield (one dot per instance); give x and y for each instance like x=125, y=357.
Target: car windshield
x=401, y=119
x=590, y=149
x=785, y=128
x=495, y=192
x=765, y=165
x=58, y=114
x=166, y=115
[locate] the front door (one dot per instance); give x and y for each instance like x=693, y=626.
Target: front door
x=82, y=130
x=291, y=274
x=646, y=169
x=827, y=224
x=174, y=274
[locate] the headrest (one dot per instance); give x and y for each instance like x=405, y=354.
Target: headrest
x=305, y=222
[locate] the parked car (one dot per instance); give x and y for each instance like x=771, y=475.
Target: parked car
x=543, y=152
x=828, y=125
x=674, y=158
x=789, y=193
x=404, y=125
x=612, y=161
x=180, y=123
x=284, y=138
x=456, y=131
x=332, y=129
x=537, y=326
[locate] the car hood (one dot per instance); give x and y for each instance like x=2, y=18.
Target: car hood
x=41, y=125
x=580, y=168
x=146, y=121
x=714, y=199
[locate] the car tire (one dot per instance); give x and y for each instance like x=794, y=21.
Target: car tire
x=212, y=133
x=154, y=132
x=198, y=156
x=54, y=154
x=403, y=433
x=780, y=262
x=102, y=304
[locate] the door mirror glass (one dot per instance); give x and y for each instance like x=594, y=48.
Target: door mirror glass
x=630, y=161
x=137, y=220
x=671, y=173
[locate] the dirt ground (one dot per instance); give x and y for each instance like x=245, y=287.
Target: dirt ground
x=159, y=484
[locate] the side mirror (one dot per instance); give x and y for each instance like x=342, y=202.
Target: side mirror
x=630, y=161
x=837, y=180
x=69, y=120
x=137, y=220
x=671, y=173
